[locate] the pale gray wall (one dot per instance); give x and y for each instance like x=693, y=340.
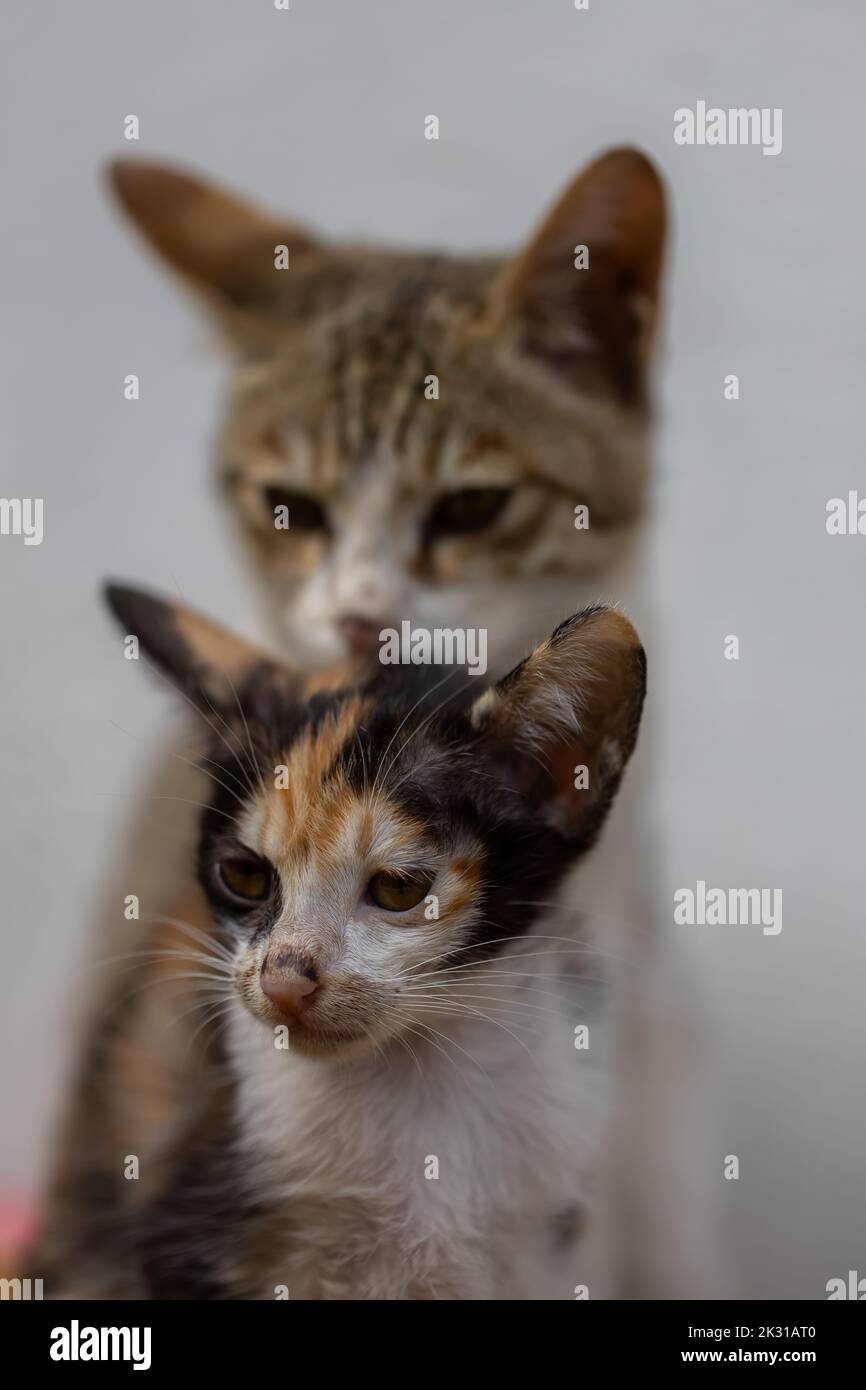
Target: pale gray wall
x=759, y=764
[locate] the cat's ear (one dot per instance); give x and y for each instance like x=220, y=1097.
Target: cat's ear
x=224, y=246
x=583, y=293
x=215, y=669
x=562, y=725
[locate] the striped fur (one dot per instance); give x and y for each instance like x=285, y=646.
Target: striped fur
x=542, y=395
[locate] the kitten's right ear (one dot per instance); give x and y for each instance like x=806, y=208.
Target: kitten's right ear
x=221, y=244
x=562, y=725
x=214, y=668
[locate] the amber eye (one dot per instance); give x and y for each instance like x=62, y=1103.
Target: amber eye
x=470, y=509
x=246, y=877
x=398, y=892
x=305, y=513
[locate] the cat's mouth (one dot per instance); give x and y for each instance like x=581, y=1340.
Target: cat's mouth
x=315, y=1042
x=309, y=1034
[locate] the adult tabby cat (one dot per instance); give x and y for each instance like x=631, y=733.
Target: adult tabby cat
x=428, y=423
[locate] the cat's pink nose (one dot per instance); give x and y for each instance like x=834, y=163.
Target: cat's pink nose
x=362, y=634
x=289, y=983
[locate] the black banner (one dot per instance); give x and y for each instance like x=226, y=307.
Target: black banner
x=264, y=1338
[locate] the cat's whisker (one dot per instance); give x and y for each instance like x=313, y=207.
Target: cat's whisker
x=207, y=998
x=446, y=1038
x=461, y=1013
x=191, y=982
x=196, y=765
x=466, y=1014
x=253, y=760
x=163, y=675
x=157, y=796
x=241, y=786
x=449, y=951
x=210, y=942
x=154, y=954
x=550, y=977
x=444, y=991
x=444, y=1005
x=423, y=696
x=504, y=1009
x=404, y=1042
x=222, y=1008
x=426, y=721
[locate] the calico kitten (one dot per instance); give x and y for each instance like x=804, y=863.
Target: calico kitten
x=390, y=1104
x=429, y=422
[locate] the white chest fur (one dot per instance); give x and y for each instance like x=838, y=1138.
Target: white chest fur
x=464, y=1172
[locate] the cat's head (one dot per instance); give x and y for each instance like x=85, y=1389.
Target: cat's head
x=409, y=434
x=364, y=847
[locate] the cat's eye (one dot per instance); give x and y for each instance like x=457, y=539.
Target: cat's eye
x=469, y=509
x=246, y=877
x=304, y=512
x=398, y=892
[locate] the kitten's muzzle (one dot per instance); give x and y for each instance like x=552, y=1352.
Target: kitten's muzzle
x=290, y=983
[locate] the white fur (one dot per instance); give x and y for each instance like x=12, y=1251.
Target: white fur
x=515, y=1119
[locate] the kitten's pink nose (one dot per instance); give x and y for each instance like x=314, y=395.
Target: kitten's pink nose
x=362, y=634
x=289, y=983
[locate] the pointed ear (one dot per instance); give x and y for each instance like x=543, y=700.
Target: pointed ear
x=564, y=722
x=603, y=314
x=207, y=662
x=223, y=245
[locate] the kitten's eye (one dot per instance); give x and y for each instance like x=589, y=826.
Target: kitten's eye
x=246, y=876
x=305, y=513
x=398, y=892
x=470, y=509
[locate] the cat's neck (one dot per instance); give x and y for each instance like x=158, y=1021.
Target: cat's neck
x=308, y=1123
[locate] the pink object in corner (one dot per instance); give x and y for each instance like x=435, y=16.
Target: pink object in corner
x=17, y=1226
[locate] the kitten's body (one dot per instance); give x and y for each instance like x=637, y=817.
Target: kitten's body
x=286, y=1171
x=444, y=1039
x=513, y=1124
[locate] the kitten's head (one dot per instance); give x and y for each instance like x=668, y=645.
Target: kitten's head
x=361, y=840
x=426, y=424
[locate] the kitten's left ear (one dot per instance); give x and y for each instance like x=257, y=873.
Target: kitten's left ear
x=208, y=663
x=583, y=293
x=564, y=722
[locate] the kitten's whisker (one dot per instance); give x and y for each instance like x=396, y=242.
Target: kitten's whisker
x=444, y=990
x=412, y=1053
x=446, y=1038
x=192, y=930
x=500, y=940
x=421, y=698
x=155, y=796
x=220, y=1009
x=467, y=1011
x=516, y=1011
x=426, y=721
x=190, y=762
x=154, y=954
x=438, y=976
x=207, y=999
x=253, y=761
x=164, y=982
x=162, y=675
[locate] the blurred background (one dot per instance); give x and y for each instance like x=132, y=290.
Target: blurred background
x=758, y=764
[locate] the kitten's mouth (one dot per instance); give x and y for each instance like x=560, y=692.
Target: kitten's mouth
x=306, y=1035
x=314, y=1042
